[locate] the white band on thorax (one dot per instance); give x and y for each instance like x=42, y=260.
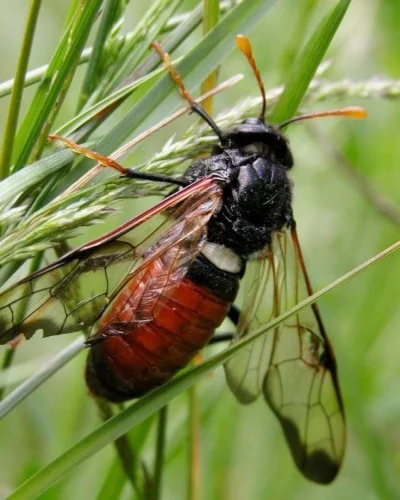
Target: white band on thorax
x=222, y=257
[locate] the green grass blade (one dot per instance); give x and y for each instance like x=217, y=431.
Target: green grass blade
x=137, y=77
x=115, y=479
x=149, y=65
x=6, y=365
x=211, y=18
x=18, y=88
x=114, y=482
x=156, y=485
x=35, y=75
x=111, y=101
x=47, y=99
x=307, y=10
x=157, y=399
x=307, y=63
x=211, y=14
x=32, y=383
x=111, y=12
x=139, y=41
x=33, y=174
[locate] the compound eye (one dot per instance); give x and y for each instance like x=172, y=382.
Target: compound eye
x=255, y=148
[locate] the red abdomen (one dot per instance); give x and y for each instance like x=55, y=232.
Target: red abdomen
x=152, y=340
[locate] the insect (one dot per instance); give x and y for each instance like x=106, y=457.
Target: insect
x=152, y=302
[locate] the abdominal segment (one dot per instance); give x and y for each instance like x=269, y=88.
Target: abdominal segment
x=146, y=353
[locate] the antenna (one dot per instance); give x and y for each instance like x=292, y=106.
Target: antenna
x=196, y=108
x=353, y=112
x=106, y=161
x=244, y=46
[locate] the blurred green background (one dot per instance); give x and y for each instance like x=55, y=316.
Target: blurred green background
x=243, y=453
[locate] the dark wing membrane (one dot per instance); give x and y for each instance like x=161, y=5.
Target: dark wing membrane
x=76, y=290
x=293, y=365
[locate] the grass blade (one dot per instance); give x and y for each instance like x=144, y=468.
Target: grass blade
x=46, y=102
x=211, y=17
x=160, y=451
x=144, y=34
x=35, y=75
x=33, y=174
x=18, y=88
x=30, y=385
x=111, y=12
x=102, y=106
x=307, y=63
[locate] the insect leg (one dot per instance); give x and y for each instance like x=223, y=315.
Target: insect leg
x=133, y=174
x=233, y=315
x=221, y=337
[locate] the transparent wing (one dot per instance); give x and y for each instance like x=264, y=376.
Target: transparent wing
x=75, y=291
x=293, y=365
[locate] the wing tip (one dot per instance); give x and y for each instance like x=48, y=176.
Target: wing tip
x=320, y=468
x=317, y=466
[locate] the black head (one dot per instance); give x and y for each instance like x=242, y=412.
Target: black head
x=255, y=137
